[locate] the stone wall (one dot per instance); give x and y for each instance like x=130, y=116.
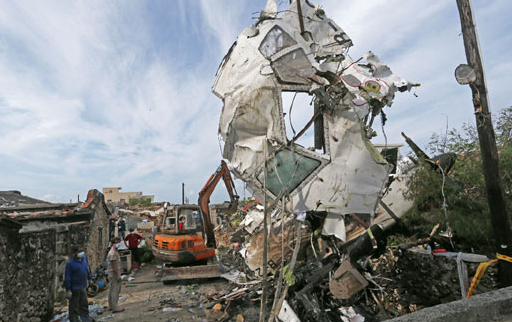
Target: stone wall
x=97, y=241
x=36, y=276
x=27, y=273
x=8, y=274
x=66, y=237
x=33, y=259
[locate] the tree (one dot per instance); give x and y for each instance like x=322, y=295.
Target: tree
x=467, y=213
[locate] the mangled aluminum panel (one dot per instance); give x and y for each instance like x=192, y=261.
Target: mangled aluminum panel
x=253, y=254
x=252, y=220
x=346, y=173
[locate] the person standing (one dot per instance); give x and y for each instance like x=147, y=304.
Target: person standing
x=114, y=276
x=112, y=227
x=121, y=228
x=132, y=242
x=181, y=224
x=76, y=277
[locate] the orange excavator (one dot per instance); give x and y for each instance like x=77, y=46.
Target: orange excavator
x=186, y=234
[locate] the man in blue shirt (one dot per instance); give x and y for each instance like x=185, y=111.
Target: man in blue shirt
x=77, y=276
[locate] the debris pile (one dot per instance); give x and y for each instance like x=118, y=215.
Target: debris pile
x=330, y=287
x=405, y=281
x=327, y=207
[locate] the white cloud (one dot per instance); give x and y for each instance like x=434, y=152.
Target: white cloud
x=89, y=98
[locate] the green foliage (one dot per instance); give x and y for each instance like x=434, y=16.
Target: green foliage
x=288, y=275
x=467, y=212
x=146, y=253
x=236, y=222
x=146, y=202
x=143, y=201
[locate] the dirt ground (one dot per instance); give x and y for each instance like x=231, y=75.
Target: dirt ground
x=146, y=299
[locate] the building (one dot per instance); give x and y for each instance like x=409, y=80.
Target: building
x=14, y=198
x=36, y=239
x=114, y=195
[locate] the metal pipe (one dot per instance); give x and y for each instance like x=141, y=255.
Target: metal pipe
x=301, y=20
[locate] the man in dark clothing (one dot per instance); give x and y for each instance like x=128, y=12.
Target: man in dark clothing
x=121, y=228
x=132, y=241
x=75, y=281
x=112, y=227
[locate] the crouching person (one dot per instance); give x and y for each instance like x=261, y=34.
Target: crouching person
x=114, y=276
x=75, y=281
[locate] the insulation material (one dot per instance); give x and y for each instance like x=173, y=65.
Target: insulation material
x=334, y=225
x=347, y=174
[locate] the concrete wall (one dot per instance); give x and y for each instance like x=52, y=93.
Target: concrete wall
x=491, y=306
x=115, y=196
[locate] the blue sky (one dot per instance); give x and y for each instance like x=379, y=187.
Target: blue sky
x=118, y=93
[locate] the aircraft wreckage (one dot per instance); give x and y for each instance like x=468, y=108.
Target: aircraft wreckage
x=301, y=50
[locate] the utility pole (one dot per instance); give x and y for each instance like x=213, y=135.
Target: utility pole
x=183, y=193
x=474, y=76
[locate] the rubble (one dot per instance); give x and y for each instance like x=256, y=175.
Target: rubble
x=328, y=206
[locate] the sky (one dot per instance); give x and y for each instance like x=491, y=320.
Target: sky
x=117, y=93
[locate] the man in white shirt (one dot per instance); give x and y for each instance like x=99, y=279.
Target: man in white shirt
x=114, y=276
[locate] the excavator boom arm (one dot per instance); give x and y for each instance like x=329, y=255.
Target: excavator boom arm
x=204, y=199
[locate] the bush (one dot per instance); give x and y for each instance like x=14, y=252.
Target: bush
x=146, y=253
x=143, y=201
x=467, y=212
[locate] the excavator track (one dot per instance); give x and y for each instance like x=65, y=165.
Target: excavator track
x=170, y=273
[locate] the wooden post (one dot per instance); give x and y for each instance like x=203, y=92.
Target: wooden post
x=263, y=305
x=277, y=294
x=490, y=159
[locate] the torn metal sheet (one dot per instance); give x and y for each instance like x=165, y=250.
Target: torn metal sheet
x=254, y=253
x=346, y=281
x=348, y=314
x=286, y=314
x=393, y=204
x=343, y=173
x=252, y=220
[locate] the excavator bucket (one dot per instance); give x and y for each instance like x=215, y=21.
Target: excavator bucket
x=169, y=273
x=228, y=207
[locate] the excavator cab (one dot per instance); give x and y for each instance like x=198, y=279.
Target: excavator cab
x=188, y=215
